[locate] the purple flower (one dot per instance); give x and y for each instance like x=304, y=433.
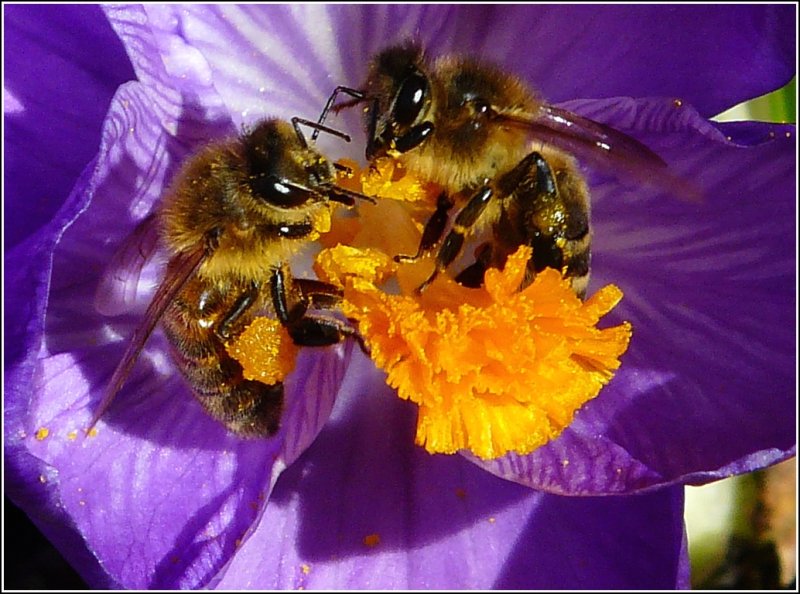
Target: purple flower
x=163, y=497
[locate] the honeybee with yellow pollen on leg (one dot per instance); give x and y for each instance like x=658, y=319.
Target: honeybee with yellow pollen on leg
x=231, y=221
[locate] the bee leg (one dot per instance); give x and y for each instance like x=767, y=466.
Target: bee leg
x=319, y=331
x=454, y=241
x=472, y=275
x=289, y=230
x=304, y=328
x=251, y=408
x=533, y=191
x=434, y=228
x=248, y=408
x=554, y=200
x=245, y=301
x=317, y=294
x=321, y=295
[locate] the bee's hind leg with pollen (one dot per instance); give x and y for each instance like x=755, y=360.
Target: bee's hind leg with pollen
x=309, y=329
x=247, y=407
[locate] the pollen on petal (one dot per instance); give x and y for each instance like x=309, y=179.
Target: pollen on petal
x=493, y=370
x=265, y=350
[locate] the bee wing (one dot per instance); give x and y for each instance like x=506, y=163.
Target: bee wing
x=602, y=145
x=179, y=270
x=118, y=287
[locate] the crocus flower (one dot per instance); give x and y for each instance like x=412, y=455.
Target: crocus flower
x=163, y=497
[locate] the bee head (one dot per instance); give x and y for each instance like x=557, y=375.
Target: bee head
x=399, y=95
x=282, y=171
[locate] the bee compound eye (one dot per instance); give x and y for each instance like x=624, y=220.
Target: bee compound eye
x=409, y=99
x=281, y=192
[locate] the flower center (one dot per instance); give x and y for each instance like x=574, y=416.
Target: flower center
x=493, y=369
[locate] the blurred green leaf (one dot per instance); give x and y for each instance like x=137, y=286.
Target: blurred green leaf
x=779, y=106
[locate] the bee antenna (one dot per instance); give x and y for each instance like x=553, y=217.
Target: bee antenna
x=317, y=128
x=347, y=197
x=358, y=95
x=347, y=104
x=350, y=193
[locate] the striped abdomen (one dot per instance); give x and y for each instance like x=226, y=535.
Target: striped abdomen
x=197, y=324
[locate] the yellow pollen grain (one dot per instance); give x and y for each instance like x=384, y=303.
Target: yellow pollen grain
x=372, y=540
x=42, y=433
x=92, y=432
x=677, y=103
x=72, y=435
x=265, y=350
x=305, y=568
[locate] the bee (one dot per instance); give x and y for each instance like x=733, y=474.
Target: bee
x=236, y=213
x=503, y=157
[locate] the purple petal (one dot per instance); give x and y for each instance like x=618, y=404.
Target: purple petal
x=176, y=78
x=284, y=61
x=707, y=387
x=56, y=94
x=712, y=57
x=161, y=472
x=29, y=480
x=180, y=488
x=749, y=133
x=439, y=522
